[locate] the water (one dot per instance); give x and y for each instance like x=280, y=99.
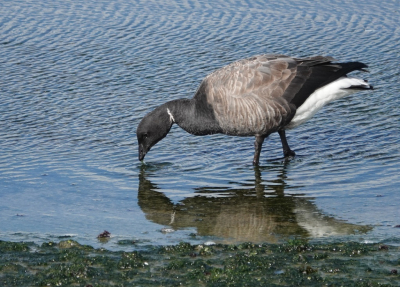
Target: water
x=76, y=78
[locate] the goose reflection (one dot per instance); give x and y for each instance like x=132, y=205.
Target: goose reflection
x=257, y=212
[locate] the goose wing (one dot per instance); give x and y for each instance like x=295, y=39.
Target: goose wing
x=259, y=95
x=313, y=73
x=247, y=96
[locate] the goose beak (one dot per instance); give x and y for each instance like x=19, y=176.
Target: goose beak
x=142, y=152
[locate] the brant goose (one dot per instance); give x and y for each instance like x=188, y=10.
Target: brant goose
x=255, y=97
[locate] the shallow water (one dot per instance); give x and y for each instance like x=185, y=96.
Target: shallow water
x=76, y=79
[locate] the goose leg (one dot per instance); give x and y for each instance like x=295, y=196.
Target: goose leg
x=257, y=145
x=285, y=146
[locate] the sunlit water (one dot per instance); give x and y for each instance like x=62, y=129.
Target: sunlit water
x=76, y=77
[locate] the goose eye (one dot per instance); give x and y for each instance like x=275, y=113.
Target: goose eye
x=145, y=136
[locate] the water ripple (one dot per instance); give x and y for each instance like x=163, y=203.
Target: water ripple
x=76, y=78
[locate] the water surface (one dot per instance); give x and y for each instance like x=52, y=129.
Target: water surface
x=76, y=78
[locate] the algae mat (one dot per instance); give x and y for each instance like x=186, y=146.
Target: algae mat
x=295, y=263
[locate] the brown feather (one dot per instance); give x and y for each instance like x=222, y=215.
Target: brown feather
x=247, y=95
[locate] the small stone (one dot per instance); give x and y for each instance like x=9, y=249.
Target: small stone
x=105, y=234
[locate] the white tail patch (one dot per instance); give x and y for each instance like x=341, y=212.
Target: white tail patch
x=323, y=96
x=171, y=117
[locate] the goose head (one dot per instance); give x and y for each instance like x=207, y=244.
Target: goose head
x=152, y=128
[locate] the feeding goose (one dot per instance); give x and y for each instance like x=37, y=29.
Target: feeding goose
x=255, y=97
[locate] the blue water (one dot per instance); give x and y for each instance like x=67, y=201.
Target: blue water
x=76, y=78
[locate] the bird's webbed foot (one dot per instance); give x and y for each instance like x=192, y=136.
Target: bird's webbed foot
x=288, y=153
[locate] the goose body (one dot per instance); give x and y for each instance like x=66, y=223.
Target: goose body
x=254, y=97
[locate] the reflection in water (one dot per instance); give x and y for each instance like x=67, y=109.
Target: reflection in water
x=258, y=212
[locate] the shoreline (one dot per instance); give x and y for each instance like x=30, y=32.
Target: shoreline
x=294, y=263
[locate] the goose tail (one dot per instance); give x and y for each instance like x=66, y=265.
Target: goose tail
x=355, y=84
x=352, y=66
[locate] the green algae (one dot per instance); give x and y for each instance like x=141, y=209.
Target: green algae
x=296, y=263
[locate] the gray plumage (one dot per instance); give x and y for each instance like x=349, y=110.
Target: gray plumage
x=246, y=96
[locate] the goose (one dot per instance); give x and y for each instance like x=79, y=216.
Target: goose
x=256, y=96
